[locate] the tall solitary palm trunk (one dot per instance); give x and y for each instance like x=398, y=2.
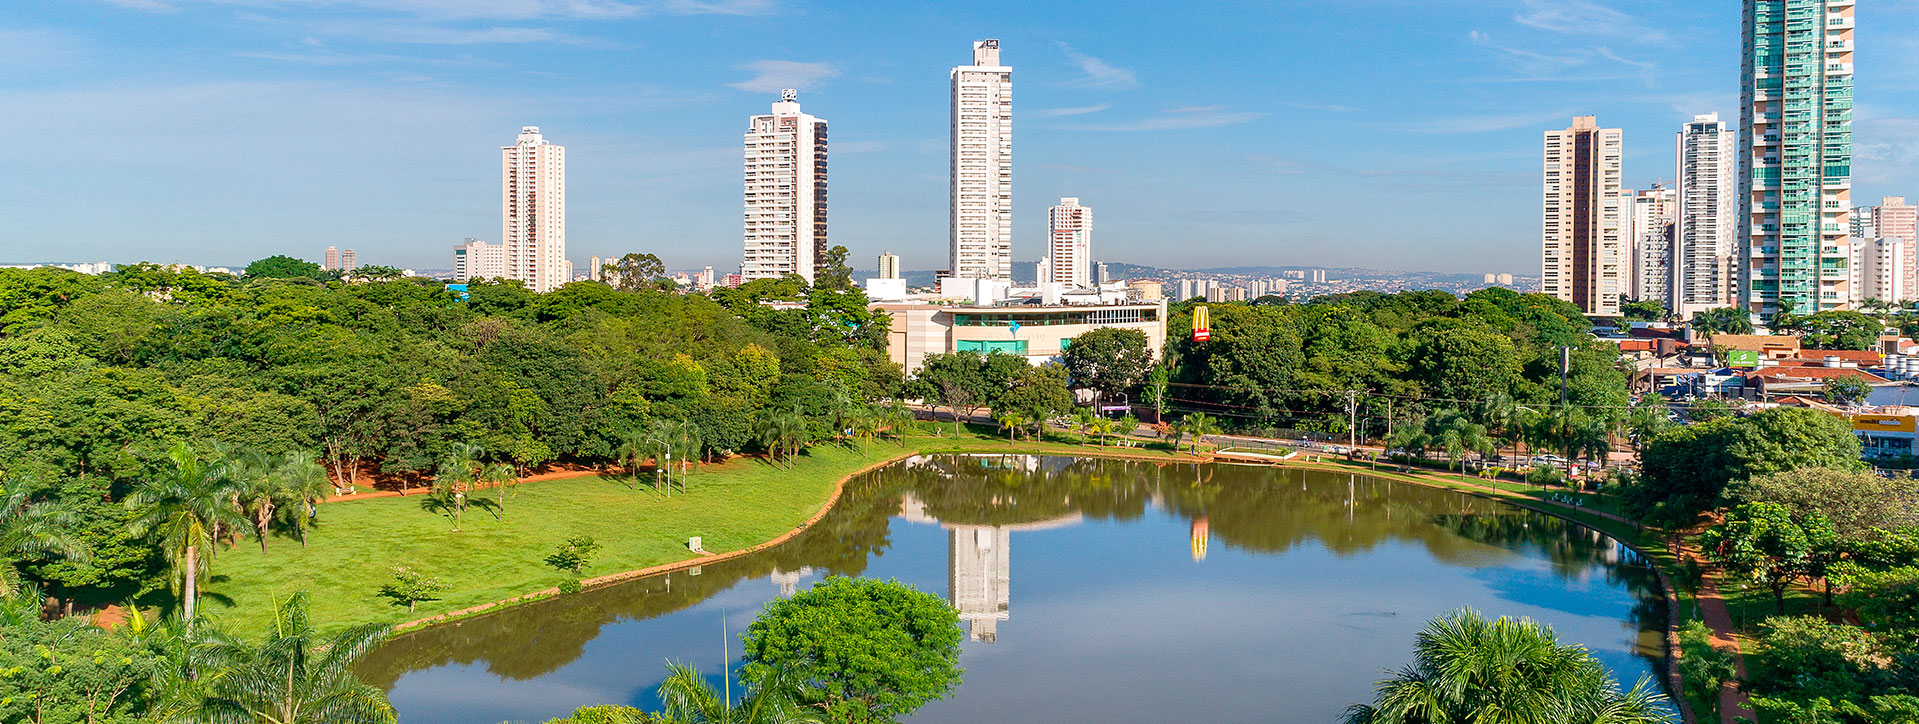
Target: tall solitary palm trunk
x=190, y=588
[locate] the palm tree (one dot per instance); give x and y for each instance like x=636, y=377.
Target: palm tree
x=1125, y=425
x=186, y=508
x=1199, y=425
x=501, y=476
x=897, y=418
x=633, y=448
x=1099, y=428
x=1508, y=671
x=1720, y=320
x=866, y=423
x=304, y=481
x=1083, y=420
x=1458, y=435
x=1411, y=437
x=783, y=433
x=459, y=469
x=258, y=483
x=1646, y=419
x=294, y=676
x=31, y=528
x=689, y=698
x=1010, y=421
x=689, y=439
x=1504, y=418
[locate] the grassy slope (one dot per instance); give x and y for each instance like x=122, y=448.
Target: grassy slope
x=352, y=552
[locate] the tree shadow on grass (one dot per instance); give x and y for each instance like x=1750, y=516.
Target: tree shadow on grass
x=445, y=508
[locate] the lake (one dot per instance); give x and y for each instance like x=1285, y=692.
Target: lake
x=1092, y=590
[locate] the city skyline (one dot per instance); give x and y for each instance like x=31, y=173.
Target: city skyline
x=1125, y=113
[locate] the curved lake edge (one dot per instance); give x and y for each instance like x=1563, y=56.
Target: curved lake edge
x=1674, y=682
x=832, y=499
x=1421, y=478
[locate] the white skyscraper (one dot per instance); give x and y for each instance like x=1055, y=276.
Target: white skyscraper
x=982, y=173
x=1069, y=246
x=1582, y=256
x=533, y=211
x=1706, y=219
x=785, y=192
x=889, y=265
x=1648, y=232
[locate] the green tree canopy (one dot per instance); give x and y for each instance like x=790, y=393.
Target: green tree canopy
x=1643, y=310
x=1845, y=390
x=1110, y=360
x=1686, y=469
x=1839, y=329
x=1763, y=542
x=1461, y=362
x=866, y=649
x=1854, y=500
x=281, y=266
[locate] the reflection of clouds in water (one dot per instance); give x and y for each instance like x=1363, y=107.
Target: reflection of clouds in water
x=448, y=692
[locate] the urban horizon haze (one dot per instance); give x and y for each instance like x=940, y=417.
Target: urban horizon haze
x=1388, y=134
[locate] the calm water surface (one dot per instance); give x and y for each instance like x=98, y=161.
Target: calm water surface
x=1092, y=590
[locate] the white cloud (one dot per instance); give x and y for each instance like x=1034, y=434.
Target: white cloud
x=1534, y=64
x=1074, y=111
x=1182, y=119
x=1586, y=17
x=774, y=75
x=1097, y=73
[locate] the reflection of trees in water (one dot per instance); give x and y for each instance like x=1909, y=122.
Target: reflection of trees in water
x=538, y=638
x=1259, y=509
x=1014, y=489
x=1576, y=552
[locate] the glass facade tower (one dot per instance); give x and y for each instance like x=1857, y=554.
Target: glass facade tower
x=1795, y=155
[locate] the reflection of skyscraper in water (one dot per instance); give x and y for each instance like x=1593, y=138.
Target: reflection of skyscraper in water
x=789, y=581
x=978, y=577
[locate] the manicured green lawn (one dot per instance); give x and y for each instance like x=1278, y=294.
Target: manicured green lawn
x=353, y=549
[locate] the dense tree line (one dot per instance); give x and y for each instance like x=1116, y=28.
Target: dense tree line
x=1405, y=354
x=1791, y=510
x=381, y=382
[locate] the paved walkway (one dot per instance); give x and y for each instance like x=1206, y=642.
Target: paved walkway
x=1733, y=703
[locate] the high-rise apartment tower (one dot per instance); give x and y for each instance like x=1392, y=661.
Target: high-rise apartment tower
x=1069, y=246
x=1582, y=257
x=785, y=192
x=1706, y=220
x=982, y=166
x=533, y=211
x=1795, y=155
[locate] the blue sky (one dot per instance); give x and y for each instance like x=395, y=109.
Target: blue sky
x=1394, y=134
